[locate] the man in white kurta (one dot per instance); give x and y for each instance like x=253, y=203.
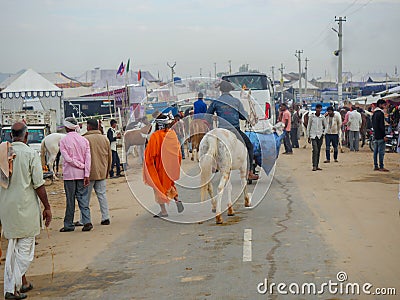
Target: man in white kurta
x=20, y=212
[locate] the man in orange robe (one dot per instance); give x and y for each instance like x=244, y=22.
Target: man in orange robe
x=162, y=161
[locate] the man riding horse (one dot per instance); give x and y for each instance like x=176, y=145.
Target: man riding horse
x=231, y=110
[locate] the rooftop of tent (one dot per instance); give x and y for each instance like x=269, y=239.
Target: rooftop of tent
x=28, y=81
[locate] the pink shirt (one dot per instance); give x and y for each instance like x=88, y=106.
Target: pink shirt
x=287, y=116
x=75, y=150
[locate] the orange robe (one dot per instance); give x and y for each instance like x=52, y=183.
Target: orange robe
x=162, y=162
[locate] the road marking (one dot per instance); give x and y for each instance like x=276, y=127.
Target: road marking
x=247, y=245
x=194, y=278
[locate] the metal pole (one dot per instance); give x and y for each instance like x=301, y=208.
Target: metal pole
x=108, y=99
x=306, y=80
x=273, y=74
x=172, y=77
x=281, y=69
x=340, y=20
x=298, y=55
x=215, y=70
x=230, y=66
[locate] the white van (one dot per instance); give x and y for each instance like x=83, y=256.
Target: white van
x=261, y=90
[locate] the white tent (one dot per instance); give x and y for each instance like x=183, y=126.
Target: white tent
x=28, y=85
x=310, y=86
x=393, y=97
x=395, y=89
x=366, y=100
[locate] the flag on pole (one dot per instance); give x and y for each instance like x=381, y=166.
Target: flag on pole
x=127, y=65
x=139, y=75
x=121, y=69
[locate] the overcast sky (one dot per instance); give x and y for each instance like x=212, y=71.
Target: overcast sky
x=75, y=35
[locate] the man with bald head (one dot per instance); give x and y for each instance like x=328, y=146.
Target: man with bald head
x=20, y=213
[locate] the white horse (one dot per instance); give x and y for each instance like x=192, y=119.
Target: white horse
x=220, y=149
x=138, y=137
x=49, y=149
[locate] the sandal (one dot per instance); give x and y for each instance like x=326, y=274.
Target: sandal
x=26, y=288
x=16, y=295
x=179, y=206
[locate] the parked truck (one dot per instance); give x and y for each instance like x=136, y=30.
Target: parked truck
x=39, y=123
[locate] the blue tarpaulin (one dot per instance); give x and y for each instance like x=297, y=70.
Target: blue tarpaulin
x=266, y=149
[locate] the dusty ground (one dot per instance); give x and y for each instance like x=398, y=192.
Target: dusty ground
x=357, y=211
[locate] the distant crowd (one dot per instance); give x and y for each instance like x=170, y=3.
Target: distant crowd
x=346, y=126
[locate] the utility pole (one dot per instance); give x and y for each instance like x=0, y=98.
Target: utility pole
x=273, y=74
x=172, y=77
x=200, y=72
x=298, y=55
x=230, y=66
x=306, y=80
x=215, y=70
x=339, y=53
x=281, y=81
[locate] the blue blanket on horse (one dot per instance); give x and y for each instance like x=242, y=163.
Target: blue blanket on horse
x=266, y=149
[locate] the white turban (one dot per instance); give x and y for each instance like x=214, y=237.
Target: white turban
x=71, y=125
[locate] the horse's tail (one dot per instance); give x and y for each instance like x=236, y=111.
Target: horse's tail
x=43, y=154
x=208, y=154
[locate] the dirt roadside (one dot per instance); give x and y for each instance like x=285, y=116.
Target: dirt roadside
x=358, y=211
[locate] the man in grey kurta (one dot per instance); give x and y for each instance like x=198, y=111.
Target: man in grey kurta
x=20, y=213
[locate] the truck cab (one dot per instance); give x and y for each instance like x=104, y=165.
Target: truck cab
x=36, y=134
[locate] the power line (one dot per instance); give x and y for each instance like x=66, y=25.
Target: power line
x=320, y=38
x=349, y=6
x=361, y=7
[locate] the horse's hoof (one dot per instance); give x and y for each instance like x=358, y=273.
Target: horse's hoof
x=219, y=220
x=192, y=159
x=249, y=181
x=231, y=212
x=214, y=210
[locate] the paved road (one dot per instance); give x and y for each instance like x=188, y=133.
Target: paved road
x=158, y=259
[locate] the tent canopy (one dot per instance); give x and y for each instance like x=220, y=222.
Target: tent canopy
x=366, y=100
x=30, y=84
x=310, y=86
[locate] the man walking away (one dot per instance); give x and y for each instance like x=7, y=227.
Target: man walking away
x=378, y=124
x=354, y=124
x=200, y=108
x=333, y=122
x=296, y=124
x=20, y=211
x=112, y=136
x=76, y=170
x=101, y=157
x=315, y=131
x=286, y=119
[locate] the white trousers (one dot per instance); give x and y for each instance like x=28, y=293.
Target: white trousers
x=20, y=253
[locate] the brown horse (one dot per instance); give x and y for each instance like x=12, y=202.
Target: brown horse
x=197, y=129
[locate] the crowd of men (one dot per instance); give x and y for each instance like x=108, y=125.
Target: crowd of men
x=351, y=123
